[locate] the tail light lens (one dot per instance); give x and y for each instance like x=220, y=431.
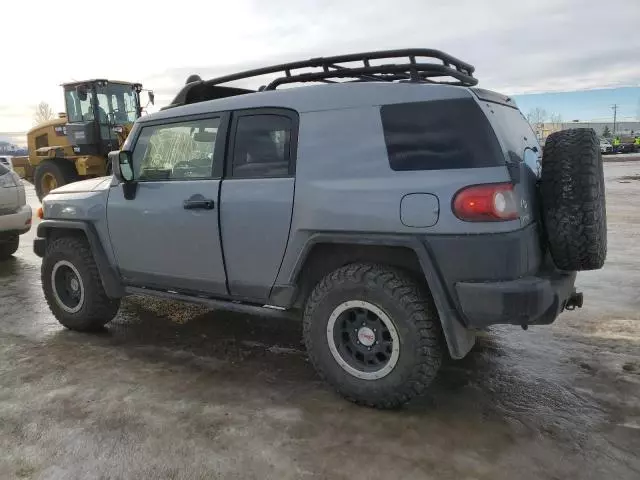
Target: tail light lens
x=486, y=203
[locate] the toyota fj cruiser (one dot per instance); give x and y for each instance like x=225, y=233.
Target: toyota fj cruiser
x=398, y=207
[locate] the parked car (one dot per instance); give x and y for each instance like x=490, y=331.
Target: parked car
x=15, y=214
x=605, y=146
x=395, y=215
x=624, y=144
x=626, y=147
x=6, y=161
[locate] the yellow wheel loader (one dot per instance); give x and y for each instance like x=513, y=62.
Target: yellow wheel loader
x=99, y=115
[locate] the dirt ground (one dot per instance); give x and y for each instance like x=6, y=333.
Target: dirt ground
x=172, y=391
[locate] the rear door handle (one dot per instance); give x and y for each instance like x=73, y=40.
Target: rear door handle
x=199, y=204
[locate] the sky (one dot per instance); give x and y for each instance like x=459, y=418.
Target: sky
x=587, y=105
x=517, y=47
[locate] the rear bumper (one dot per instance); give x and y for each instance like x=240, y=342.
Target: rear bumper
x=503, y=278
x=533, y=300
x=16, y=223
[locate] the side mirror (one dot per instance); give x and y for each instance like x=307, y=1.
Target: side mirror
x=152, y=97
x=122, y=165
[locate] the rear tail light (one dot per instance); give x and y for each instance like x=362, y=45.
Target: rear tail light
x=486, y=203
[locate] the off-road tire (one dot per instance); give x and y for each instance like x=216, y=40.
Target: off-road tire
x=63, y=170
x=573, y=200
x=406, y=303
x=97, y=309
x=9, y=247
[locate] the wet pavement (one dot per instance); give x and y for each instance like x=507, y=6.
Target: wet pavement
x=174, y=391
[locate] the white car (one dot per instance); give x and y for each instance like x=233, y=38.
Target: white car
x=15, y=214
x=605, y=146
x=6, y=161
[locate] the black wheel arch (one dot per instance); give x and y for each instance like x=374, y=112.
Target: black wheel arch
x=50, y=229
x=325, y=252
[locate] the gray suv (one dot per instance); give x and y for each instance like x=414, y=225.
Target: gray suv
x=397, y=209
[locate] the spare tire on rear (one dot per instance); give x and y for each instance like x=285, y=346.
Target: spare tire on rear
x=573, y=199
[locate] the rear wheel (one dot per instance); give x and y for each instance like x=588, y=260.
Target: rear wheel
x=372, y=332
x=8, y=247
x=52, y=174
x=72, y=286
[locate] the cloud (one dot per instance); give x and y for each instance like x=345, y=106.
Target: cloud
x=516, y=46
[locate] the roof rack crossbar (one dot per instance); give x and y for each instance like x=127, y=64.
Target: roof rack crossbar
x=373, y=78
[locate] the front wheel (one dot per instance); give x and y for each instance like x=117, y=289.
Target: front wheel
x=72, y=286
x=373, y=333
x=52, y=174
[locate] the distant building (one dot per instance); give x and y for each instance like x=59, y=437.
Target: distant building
x=7, y=148
x=622, y=128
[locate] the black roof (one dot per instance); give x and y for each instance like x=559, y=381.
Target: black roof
x=448, y=70
x=99, y=80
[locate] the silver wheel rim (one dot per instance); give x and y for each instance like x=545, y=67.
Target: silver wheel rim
x=363, y=333
x=75, y=282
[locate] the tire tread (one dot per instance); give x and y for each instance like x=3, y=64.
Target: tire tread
x=419, y=309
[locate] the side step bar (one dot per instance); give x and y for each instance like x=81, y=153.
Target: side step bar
x=215, y=304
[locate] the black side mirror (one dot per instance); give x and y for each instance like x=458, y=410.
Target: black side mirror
x=152, y=97
x=122, y=165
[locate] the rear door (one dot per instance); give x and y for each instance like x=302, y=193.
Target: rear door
x=256, y=199
x=167, y=236
x=524, y=156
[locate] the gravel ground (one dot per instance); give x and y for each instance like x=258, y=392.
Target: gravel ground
x=175, y=391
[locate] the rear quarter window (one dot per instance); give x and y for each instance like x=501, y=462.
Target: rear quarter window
x=438, y=135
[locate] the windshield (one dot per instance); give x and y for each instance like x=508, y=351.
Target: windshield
x=119, y=101
x=78, y=110
x=117, y=104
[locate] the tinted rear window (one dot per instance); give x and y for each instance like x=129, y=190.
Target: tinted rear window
x=438, y=135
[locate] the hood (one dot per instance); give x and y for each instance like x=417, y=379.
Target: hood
x=90, y=185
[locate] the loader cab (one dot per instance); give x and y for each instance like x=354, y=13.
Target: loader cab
x=100, y=113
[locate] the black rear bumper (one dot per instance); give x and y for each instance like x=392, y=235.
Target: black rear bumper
x=503, y=278
x=534, y=300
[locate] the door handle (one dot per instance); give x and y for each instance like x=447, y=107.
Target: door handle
x=199, y=204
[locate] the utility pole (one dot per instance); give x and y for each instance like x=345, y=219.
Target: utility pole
x=614, y=107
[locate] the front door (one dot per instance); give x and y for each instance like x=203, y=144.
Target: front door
x=167, y=237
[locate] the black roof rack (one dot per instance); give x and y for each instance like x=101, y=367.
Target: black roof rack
x=449, y=70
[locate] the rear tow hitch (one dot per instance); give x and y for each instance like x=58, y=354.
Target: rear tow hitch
x=574, y=301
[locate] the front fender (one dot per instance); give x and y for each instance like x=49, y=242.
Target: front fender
x=108, y=274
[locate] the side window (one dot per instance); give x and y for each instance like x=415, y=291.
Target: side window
x=177, y=151
x=42, y=141
x=262, y=146
x=439, y=135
